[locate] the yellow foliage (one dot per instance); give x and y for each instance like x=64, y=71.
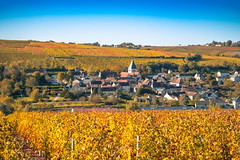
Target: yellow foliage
x=201, y=134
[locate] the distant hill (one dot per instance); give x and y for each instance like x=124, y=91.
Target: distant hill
x=99, y=58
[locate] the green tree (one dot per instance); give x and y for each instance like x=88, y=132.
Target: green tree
x=1, y=71
x=96, y=98
x=183, y=68
x=60, y=77
x=192, y=65
x=172, y=103
x=35, y=95
x=198, y=97
x=6, y=109
x=69, y=76
x=118, y=92
x=184, y=100
x=213, y=82
x=228, y=43
x=228, y=83
x=7, y=86
x=37, y=75
x=100, y=91
x=213, y=106
x=191, y=102
x=132, y=106
x=209, y=78
x=31, y=82
x=8, y=100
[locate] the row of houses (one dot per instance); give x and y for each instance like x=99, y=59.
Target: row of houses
x=162, y=83
x=221, y=76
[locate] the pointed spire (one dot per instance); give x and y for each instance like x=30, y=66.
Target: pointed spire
x=132, y=67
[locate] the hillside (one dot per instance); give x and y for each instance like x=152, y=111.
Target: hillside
x=43, y=54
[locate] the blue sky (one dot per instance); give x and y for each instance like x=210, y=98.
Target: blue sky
x=112, y=22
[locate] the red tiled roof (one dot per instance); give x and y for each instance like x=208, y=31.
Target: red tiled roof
x=121, y=80
x=173, y=80
x=133, y=74
x=124, y=74
x=191, y=93
x=145, y=81
x=74, y=83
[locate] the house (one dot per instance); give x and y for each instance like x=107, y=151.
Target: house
x=135, y=75
x=184, y=75
x=223, y=74
x=105, y=74
x=176, y=82
x=236, y=72
x=86, y=80
x=199, y=77
x=95, y=83
x=78, y=88
x=132, y=67
x=132, y=72
x=141, y=86
x=132, y=82
x=108, y=90
x=125, y=86
x=160, y=79
x=158, y=85
x=202, y=104
x=171, y=96
x=160, y=91
x=218, y=101
x=235, y=78
x=150, y=76
x=236, y=103
x=191, y=95
x=53, y=79
x=172, y=89
x=220, y=79
x=146, y=82
x=212, y=95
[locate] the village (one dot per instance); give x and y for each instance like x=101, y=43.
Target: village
x=157, y=91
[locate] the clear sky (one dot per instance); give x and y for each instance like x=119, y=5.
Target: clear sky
x=149, y=22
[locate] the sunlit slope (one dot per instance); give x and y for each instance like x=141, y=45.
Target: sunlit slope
x=99, y=58
x=53, y=49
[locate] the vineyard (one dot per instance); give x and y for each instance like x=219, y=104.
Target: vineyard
x=99, y=58
x=202, y=134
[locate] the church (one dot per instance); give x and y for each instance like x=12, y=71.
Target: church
x=132, y=72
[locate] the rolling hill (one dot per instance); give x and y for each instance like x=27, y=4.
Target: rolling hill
x=98, y=58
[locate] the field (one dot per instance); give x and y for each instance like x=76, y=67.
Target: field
x=201, y=134
x=37, y=54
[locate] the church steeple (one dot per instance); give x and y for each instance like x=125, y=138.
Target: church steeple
x=132, y=68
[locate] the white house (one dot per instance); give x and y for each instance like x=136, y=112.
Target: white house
x=235, y=78
x=220, y=79
x=236, y=103
x=184, y=75
x=223, y=74
x=170, y=97
x=199, y=77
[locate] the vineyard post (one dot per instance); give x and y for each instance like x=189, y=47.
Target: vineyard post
x=138, y=145
x=73, y=144
x=41, y=154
